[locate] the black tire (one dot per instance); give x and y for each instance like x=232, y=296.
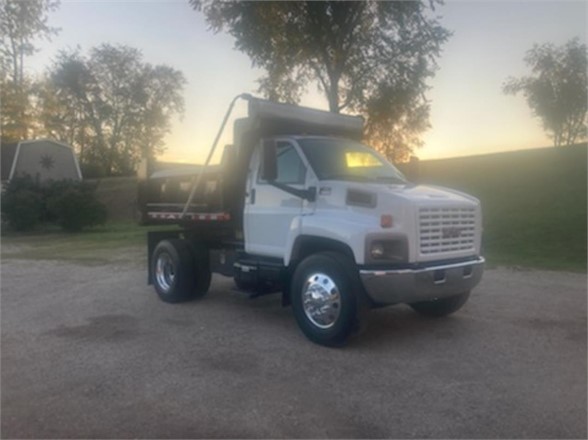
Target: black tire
x=179, y=271
x=326, y=273
x=201, y=273
x=441, y=307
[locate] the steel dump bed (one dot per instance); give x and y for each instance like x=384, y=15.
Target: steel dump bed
x=188, y=194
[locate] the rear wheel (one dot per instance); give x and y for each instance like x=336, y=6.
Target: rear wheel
x=323, y=296
x=441, y=307
x=180, y=272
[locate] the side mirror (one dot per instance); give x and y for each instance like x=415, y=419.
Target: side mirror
x=269, y=168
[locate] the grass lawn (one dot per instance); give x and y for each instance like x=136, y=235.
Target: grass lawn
x=99, y=244
x=533, y=202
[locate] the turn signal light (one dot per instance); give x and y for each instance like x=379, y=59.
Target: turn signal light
x=386, y=221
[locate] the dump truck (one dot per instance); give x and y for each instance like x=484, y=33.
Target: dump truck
x=299, y=206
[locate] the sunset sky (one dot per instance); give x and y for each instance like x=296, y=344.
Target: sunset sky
x=469, y=113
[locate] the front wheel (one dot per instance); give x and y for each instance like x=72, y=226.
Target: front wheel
x=323, y=295
x=441, y=307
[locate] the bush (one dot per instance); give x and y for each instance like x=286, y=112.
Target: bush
x=92, y=171
x=54, y=190
x=22, y=208
x=76, y=208
x=72, y=205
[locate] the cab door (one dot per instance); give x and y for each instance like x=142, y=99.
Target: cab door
x=271, y=214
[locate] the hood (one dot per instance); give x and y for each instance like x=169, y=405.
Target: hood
x=429, y=194
x=417, y=194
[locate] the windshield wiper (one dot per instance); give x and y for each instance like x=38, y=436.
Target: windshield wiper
x=355, y=177
x=363, y=178
x=391, y=179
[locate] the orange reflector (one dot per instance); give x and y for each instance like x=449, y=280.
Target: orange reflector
x=386, y=221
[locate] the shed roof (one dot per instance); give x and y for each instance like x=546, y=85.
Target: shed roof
x=7, y=153
x=10, y=152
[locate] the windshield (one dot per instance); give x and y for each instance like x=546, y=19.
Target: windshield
x=341, y=159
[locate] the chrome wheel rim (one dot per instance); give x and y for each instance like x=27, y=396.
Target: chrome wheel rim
x=165, y=272
x=321, y=300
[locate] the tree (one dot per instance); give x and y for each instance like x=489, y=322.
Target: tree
x=367, y=57
x=557, y=90
x=21, y=23
x=112, y=106
x=17, y=112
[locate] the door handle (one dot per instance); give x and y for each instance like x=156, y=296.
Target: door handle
x=252, y=196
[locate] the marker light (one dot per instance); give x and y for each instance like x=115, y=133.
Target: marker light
x=386, y=221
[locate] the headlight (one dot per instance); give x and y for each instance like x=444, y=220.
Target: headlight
x=377, y=251
x=387, y=250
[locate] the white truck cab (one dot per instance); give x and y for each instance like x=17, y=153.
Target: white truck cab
x=309, y=211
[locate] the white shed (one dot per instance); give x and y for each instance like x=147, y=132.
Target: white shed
x=41, y=159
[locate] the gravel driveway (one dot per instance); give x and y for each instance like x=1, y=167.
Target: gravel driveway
x=88, y=351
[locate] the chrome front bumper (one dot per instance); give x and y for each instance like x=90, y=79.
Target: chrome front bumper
x=414, y=285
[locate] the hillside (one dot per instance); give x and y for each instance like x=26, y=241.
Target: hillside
x=533, y=201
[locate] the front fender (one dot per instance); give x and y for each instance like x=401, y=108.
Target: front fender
x=347, y=230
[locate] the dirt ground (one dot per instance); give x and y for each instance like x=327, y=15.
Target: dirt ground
x=88, y=351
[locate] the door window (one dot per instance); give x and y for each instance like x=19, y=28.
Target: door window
x=290, y=168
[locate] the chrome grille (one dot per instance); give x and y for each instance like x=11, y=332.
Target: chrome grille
x=448, y=229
